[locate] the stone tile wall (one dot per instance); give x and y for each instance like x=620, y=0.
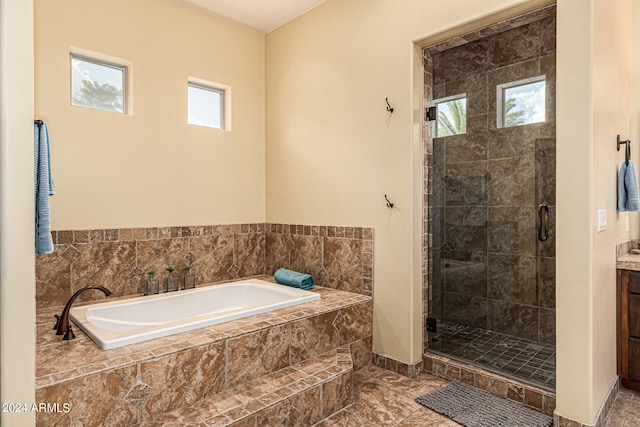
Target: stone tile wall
x=338, y=257
x=120, y=258
x=483, y=263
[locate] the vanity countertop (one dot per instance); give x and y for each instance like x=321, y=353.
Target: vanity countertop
x=629, y=262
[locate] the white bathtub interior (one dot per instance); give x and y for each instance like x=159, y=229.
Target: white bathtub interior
x=118, y=323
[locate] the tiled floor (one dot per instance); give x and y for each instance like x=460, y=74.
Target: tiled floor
x=383, y=398
x=524, y=360
x=625, y=411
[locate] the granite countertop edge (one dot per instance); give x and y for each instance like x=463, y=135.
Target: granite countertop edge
x=628, y=262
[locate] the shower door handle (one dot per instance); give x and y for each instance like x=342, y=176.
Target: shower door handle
x=543, y=227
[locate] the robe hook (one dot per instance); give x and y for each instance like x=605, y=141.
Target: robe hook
x=389, y=108
x=389, y=204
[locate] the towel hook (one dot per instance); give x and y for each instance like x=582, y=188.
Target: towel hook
x=389, y=204
x=627, y=151
x=389, y=108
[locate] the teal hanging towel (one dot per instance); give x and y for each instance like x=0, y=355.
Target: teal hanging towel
x=628, y=195
x=43, y=188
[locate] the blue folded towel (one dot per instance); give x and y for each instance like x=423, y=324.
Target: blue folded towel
x=43, y=188
x=628, y=194
x=294, y=279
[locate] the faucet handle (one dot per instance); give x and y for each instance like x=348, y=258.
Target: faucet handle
x=57, y=321
x=69, y=335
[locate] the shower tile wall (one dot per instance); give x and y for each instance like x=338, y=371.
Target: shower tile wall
x=487, y=267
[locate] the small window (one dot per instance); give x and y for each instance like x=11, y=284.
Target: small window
x=452, y=115
x=98, y=84
x=522, y=102
x=206, y=106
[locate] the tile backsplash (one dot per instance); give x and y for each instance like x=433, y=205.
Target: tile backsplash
x=338, y=257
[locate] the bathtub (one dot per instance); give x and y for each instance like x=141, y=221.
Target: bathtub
x=128, y=321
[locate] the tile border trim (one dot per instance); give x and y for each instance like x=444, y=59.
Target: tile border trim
x=357, y=233
x=515, y=391
x=151, y=233
x=401, y=368
x=603, y=412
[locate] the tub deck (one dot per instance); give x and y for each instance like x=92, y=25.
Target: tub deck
x=317, y=344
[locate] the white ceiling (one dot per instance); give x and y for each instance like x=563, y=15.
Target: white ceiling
x=262, y=15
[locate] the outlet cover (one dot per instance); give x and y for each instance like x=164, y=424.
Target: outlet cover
x=602, y=220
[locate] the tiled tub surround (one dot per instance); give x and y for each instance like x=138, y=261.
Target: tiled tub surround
x=291, y=364
x=484, y=266
x=338, y=257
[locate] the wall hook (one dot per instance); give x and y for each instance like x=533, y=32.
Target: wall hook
x=389, y=204
x=627, y=153
x=389, y=108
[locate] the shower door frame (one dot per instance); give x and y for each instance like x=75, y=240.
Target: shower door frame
x=446, y=41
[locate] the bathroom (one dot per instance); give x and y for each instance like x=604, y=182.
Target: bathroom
x=311, y=143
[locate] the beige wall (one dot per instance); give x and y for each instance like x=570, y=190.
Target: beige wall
x=593, y=106
x=634, y=133
x=150, y=168
x=611, y=88
x=17, y=275
x=328, y=73
x=333, y=151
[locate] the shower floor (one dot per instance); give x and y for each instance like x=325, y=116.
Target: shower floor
x=528, y=361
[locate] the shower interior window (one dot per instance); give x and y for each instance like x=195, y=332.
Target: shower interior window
x=452, y=115
x=521, y=102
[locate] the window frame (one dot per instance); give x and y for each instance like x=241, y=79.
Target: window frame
x=443, y=100
x=500, y=99
x=104, y=61
x=210, y=87
x=221, y=92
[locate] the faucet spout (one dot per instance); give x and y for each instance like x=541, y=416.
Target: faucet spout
x=63, y=326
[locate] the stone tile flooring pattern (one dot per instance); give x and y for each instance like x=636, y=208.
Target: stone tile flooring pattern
x=521, y=359
x=625, y=411
x=383, y=398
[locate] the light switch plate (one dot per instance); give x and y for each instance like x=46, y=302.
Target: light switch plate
x=602, y=220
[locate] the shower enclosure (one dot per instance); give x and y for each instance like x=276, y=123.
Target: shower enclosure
x=490, y=198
